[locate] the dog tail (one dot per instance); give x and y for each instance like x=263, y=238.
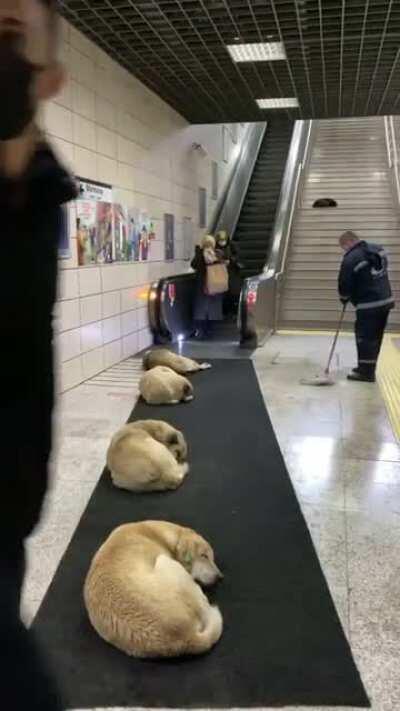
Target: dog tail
x=205, y=638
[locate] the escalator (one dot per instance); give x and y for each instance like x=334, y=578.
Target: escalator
x=255, y=226
x=247, y=212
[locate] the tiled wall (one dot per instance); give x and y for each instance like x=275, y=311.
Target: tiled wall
x=107, y=126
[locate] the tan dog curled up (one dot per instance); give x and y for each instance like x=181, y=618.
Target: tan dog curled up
x=140, y=592
x=162, y=386
x=180, y=364
x=147, y=455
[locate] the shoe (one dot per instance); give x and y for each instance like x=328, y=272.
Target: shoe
x=356, y=370
x=360, y=378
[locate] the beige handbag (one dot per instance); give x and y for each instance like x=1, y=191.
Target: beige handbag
x=217, y=280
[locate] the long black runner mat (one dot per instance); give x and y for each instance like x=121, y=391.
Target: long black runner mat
x=283, y=643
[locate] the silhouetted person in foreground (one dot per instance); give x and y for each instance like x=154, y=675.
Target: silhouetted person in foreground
x=33, y=187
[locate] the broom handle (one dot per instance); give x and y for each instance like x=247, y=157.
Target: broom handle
x=339, y=326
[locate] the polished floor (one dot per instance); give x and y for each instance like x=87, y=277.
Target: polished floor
x=344, y=462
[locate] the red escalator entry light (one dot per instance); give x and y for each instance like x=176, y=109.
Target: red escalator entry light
x=251, y=298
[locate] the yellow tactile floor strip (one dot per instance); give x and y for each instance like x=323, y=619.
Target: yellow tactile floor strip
x=388, y=376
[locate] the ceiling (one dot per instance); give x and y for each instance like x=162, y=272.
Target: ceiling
x=343, y=56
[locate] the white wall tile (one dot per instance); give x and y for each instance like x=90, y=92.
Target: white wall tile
x=111, y=304
x=70, y=374
x=91, y=336
x=68, y=284
x=58, y=121
x=112, y=277
x=105, y=113
x=107, y=170
x=112, y=353
x=106, y=142
x=89, y=281
x=111, y=329
x=92, y=363
x=129, y=322
x=68, y=345
x=130, y=345
x=90, y=309
x=128, y=299
x=85, y=163
x=69, y=315
x=145, y=339
x=84, y=132
x=83, y=100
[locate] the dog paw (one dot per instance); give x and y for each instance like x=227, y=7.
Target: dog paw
x=205, y=366
x=188, y=398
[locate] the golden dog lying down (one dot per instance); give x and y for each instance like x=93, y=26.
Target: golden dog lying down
x=180, y=364
x=147, y=455
x=141, y=595
x=162, y=386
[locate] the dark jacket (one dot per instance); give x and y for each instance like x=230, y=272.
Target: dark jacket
x=30, y=222
x=363, y=277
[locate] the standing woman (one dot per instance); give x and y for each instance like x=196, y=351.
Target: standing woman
x=226, y=250
x=207, y=307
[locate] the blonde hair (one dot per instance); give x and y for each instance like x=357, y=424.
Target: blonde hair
x=222, y=235
x=208, y=242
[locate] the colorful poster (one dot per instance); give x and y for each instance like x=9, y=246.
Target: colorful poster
x=64, y=248
x=95, y=223
x=134, y=234
x=123, y=248
x=86, y=231
x=104, y=233
x=169, y=237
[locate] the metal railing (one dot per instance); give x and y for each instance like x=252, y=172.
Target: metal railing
x=392, y=157
x=231, y=201
x=260, y=297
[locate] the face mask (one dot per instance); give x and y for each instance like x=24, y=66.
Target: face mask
x=16, y=79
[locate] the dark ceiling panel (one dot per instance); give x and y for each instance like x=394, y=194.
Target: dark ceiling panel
x=343, y=56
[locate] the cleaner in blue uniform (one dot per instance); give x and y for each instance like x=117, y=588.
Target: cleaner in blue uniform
x=364, y=281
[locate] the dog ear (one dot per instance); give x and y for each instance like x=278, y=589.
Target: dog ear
x=185, y=551
x=173, y=439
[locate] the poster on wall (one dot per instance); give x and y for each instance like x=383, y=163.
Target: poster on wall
x=64, y=247
x=169, y=237
x=95, y=223
x=188, y=239
x=123, y=248
x=141, y=234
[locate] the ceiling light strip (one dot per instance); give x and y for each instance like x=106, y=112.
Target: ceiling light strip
x=212, y=56
x=270, y=64
x=289, y=68
x=321, y=39
x=378, y=58
x=360, y=54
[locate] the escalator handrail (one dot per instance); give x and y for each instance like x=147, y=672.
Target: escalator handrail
x=231, y=202
x=274, y=267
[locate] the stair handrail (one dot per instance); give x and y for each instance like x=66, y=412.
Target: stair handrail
x=231, y=201
x=392, y=157
x=294, y=175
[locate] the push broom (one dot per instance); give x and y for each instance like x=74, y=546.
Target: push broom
x=325, y=378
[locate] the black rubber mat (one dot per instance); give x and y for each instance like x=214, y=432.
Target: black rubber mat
x=283, y=643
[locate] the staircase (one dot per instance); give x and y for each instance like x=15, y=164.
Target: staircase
x=349, y=164
x=254, y=229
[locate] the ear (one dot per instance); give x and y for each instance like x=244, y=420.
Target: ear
x=50, y=81
x=184, y=551
x=173, y=439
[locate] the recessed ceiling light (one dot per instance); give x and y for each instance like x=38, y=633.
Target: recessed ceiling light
x=289, y=103
x=257, y=52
